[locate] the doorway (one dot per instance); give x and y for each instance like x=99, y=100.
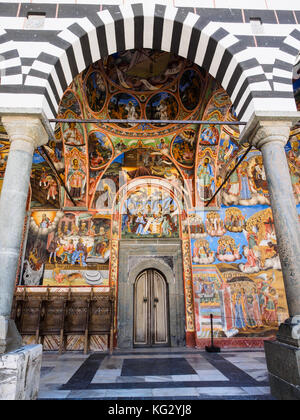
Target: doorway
x=151, y=310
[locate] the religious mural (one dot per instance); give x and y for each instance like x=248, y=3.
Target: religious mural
x=133, y=164
x=183, y=147
x=45, y=186
x=98, y=183
x=144, y=70
x=67, y=249
x=4, y=150
x=243, y=306
x=150, y=213
x=296, y=82
x=95, y=90
x=246, y=271
x=206, y=175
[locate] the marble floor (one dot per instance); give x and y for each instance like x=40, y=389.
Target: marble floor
x=155, y=374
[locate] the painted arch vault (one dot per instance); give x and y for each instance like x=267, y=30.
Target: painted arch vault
x=151, y=181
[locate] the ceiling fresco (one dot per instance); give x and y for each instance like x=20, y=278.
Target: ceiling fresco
x=94, y=184
x=147, y=84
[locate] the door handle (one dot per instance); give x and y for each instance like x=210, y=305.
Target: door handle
x=156, y=300
x=145, y=299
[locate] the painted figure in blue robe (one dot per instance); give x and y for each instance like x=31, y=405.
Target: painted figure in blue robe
x=141, y=225
x=239, y=314
x=245, y=192
x=79, y=254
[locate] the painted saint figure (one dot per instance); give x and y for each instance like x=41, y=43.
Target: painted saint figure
x=141, y=224
x=233, y=184
x=294, y=153
x=80, y=253
x=206, y=183
x=51, y=186
x=131, y=112
x=45, y=222
x=239, y=318
x=210, y=135
x=73, y=136
x=76, y=180
x=245, y=188
x=295, y=178
x=259, y=175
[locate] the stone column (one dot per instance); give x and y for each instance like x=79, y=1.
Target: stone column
x=25, y=134
x=283, y=355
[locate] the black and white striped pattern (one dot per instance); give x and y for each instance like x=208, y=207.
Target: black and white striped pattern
x=10, y=62
x=285, y=62
x=224, y=55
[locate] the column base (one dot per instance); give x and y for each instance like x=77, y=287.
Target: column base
x=289, y=332
x=20, y=373
x=283, y=361
x=10, y=338
x=282, y=390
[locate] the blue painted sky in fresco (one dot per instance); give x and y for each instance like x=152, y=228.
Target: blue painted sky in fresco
x=296, y=84
x=37, y=158
x=124, y=99
x=239, y=237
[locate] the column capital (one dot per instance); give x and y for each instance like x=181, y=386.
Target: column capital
x=269, y=132
x=25, y=132
x=262, y=129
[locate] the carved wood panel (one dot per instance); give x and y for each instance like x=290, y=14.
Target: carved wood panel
x=43, y=314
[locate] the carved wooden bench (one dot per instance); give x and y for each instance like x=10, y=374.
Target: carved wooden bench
x=41, y=314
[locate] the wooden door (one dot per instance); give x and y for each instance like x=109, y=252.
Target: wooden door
x=151, y=320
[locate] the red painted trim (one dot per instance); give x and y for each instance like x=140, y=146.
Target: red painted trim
x=238, y=342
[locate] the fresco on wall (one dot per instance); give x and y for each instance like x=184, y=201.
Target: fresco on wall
x=293, y=154
x=162, y=106
x=55, y=150
x=100, y=149
x=67, y=249
x=143, y=70
x=243, y=306
x=296, y=82
x=236, y=267
x=229, y=251
x=184, y=146
x=76, y=176
x=130, y=165
x=216, y=110
x=150, y=212
x=248, y=185
x=73, y=133
x=4, y=150
x=160, y=85
x=237, y=275
x=123, y=106
x=228, y=149
x=190, y=89
x=45, y=187
x=95, y=90
x=206, y=175
x=69, y=103
x=127, y=85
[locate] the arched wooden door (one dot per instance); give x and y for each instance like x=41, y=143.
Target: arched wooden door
x=151, y=312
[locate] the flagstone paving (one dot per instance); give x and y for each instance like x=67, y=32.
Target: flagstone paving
x=155, y=374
